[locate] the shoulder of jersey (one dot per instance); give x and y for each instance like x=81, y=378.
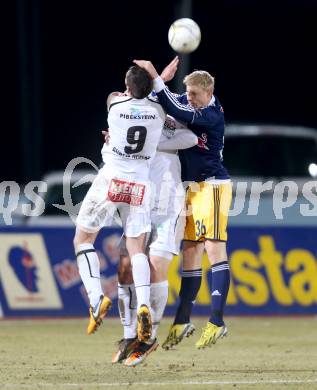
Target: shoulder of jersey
x=153, y=98
x=119, y=99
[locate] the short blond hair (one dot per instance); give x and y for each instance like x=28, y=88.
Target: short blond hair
x=202, y=79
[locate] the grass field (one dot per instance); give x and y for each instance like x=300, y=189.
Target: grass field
x=258, y=353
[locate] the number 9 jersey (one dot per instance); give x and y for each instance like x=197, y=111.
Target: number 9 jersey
x=135, y=127
x=122, y=184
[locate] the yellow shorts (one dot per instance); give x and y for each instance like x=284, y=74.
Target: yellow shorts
x=207, y=211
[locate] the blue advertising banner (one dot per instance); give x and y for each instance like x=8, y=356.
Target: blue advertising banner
x=39, y=275
x=274, y=271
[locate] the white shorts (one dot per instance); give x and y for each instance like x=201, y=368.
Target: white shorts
x=111, y=196
x=165, y=238
x=168, y=228
x=167, y=222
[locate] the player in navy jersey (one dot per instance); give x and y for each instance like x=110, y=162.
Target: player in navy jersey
x=208, y=198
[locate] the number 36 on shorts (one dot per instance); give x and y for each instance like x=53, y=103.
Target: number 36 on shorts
x=210, y=205
x=200, y=228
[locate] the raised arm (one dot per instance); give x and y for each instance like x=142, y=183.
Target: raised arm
x=170, y=101
x=170, y=70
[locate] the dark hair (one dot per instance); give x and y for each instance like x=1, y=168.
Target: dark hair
x=139, y=82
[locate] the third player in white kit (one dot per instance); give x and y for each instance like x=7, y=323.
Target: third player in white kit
x=164, y=242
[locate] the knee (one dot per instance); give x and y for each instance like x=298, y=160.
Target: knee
x=192, y=255
x=216, y=251
x=212, y=253
x=83, y=238
x=156, y=266
x=125, y=274
x=159, y=269
x=76, y=242
x=79, y=238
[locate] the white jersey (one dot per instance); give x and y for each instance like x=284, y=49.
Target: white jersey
x=168, y=221
x=135, y=127
x=166, y=165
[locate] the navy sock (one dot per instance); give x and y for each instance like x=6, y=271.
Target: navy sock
x=191, y=281
x=220, y=281
x=209, y=279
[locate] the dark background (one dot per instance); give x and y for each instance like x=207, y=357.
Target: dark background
x=60, y=60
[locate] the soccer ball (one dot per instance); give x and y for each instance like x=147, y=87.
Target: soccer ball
x=184, y=35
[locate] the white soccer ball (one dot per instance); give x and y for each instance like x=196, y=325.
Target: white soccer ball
x=184, y=35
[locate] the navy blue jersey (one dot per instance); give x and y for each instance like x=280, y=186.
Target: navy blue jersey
x=204, y=160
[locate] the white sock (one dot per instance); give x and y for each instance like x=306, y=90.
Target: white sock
x=127, y=309
x=141, y=277
x=89, y=271
x=158, y=300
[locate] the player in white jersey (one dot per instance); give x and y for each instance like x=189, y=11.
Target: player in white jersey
x=168, y=223
x=135, y=125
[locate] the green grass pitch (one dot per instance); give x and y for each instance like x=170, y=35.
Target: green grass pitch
x=259, y=353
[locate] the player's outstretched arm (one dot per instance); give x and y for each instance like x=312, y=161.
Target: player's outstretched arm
x=148, y=66
x=170, y=70
x=182, y=139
